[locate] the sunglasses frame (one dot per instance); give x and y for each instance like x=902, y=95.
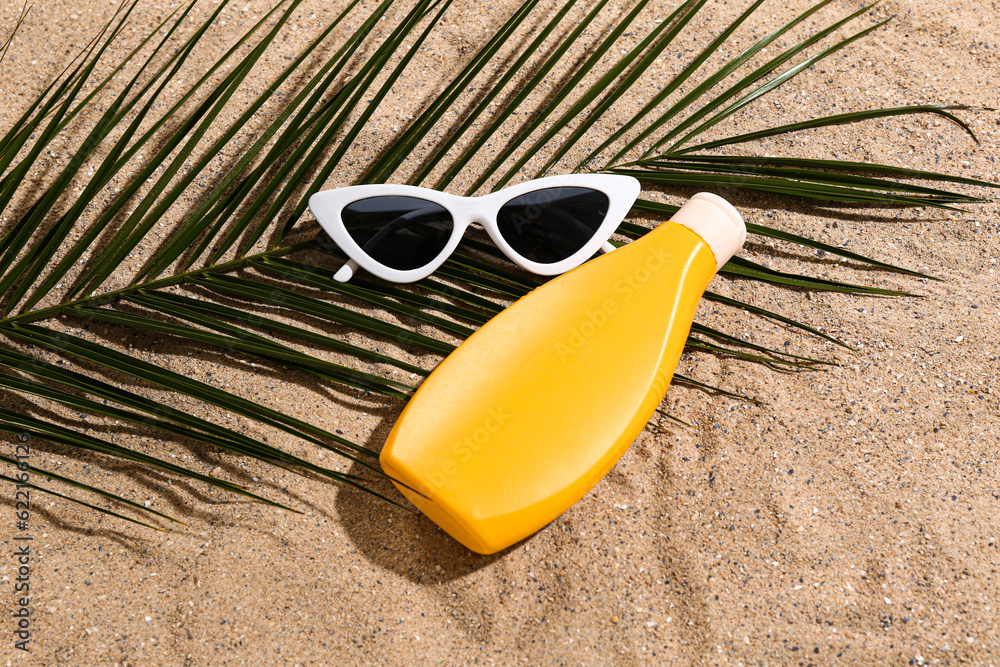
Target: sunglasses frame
x=326, y=206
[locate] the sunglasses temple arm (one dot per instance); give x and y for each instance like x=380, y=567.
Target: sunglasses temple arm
x=607, y=247
x=345, y=272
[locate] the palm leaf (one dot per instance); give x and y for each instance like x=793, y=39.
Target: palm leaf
x=241, y=272
x=91, y=489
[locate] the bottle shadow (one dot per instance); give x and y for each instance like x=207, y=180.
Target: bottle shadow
x=402, y=539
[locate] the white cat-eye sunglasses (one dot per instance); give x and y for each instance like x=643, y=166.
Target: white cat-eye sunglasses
x=403, y=233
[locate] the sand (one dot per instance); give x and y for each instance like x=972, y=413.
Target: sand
x=848, y=517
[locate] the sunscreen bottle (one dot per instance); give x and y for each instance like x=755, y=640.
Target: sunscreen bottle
x=532, y=410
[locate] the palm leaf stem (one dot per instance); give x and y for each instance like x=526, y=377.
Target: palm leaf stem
x=323, y=278
x=242, y=341
x=168, y=281
x=273, y=326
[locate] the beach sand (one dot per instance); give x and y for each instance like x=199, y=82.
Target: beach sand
x=851, y=516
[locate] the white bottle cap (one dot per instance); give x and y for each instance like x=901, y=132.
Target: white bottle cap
x=717, y=222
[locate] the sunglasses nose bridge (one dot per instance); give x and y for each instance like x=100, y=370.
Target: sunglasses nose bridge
x=472, y=212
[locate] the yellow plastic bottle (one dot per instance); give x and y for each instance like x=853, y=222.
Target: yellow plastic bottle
x=530, y=412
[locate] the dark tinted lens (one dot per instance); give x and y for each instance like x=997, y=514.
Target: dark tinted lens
x=547, y=226
x=402, y=233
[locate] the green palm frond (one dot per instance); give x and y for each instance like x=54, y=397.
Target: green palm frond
x=241, y=273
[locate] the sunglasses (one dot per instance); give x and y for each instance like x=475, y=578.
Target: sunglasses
x=403, y=233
